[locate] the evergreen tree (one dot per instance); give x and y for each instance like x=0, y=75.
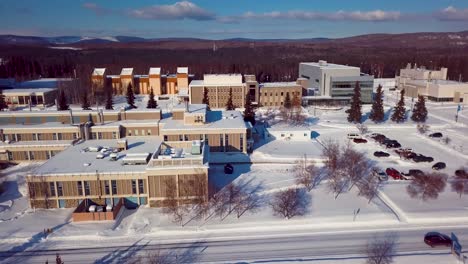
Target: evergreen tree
x=109, y=102
x=377, y=113
x=151, y=102
x=287, y=101
x=3, y=104
x=62, y=101
x=420, y=110
x=296, y=101
x=355, y=112
x=130, y=96
x=206, y=99
x=229, y=104
x=249, y=112
x=400, y=110
x=85, y=102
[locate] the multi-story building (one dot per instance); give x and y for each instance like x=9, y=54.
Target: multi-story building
x=431, y=84
x=142, y=83
x=37, y=97
x=334, y=82
x=274, y=94
x=218, y=87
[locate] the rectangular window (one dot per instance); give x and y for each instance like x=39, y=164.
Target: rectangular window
x=34, y=137
x=47, y=154
x=99, y=135
x=59, y=136
x=136, y=132
x=114, y=135
x=54, y=136
x=281, y=93
x=134, y=187
x=18, y=137
x=114, y=187
x=186, y=137
x=129, y=133
x=242, y=142
x=142, y=132
x=165, y=138
x=31, y=155
x=141, y=186
x=75, y=135
x=181, y=138
x=106, y=187
x=305, y=134
x=52, y=188
x=221, y=140
x=40, y=100
x=10, y=155
x=59, y=189
x=39, y=136
x=226, y=137
x=80, y=188
x=87, y=188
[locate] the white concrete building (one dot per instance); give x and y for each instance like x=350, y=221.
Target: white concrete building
x=289, y=133
x=335, y=82
x=387, y=84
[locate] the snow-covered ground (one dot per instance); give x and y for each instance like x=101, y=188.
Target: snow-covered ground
x=268, y=170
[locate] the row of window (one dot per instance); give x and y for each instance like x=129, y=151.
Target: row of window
x=37, y=136
x=282, y=93
x=84, y=188
x=138, y=132
x=30, y=155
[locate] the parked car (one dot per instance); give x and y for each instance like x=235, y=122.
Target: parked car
x=393, y=173
x=461, y=173
x=436, y=135
x=393, y=144
x=381, y=175
x=422, y=158
x=380, y=139
x=373, y=135
x=380, y=154
x=434, y=239
x=228, y=168
x=359, y=140
x=415, y=172
x=353, y=136
x=439, y=166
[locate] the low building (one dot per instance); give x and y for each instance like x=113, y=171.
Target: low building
x=141, y=171
x=289, y=133
x=334, y=83
x=20, y=97
x=388, y=84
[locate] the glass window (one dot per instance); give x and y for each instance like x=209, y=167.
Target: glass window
x=80, y=188
x=141, y=186
x=54, y=136
x=47, y=154
x=18, y=137
x=75, y=135
x=165, y=138
x=59, y=136
x=59, y=189
x=31, y=155
x=40, y=100
x=34, y=136
x=114, y=135
x=221, y=140
x=149, y=132
x=186, y=137
x=10, y=155
x=87, y=188
x=242, y=142
x=136, y=132
x=114, y=187
x=52, y=188
x=134, y=187
x=106, y=187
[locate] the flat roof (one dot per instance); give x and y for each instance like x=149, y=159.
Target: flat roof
x=438, y=82
x=60, y=143
x=27, y=91
x=126, y=71
x=328, y=65
x=42, y=83
x=73, y=159
x=279, y=84
x=192, y=108
x=197, y=83
x=155, y=70
x=182, y=70
x=216, y=120
x=51, y=125
x=99, y=71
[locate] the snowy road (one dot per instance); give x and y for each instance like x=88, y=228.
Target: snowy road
x=302, y=248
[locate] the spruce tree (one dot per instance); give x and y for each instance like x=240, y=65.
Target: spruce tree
x=400, y=110
x=151, y=102
x=85, y=102
x=3, y=104
x=249, y=113
x=287, y=101
x=377, y=113
x=355, y=112
x=206, y=99
x=229, y=104
x=109, y=102
x=130, y=96
x=296, y=101
x=419, y=110
x=62, y=101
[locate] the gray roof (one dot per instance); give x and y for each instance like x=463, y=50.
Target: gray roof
x=72, y=159
x=279, y=84
x=328, y=65
x=215, y=120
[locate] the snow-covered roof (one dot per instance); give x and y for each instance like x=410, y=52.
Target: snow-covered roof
x=99, y=71
x=126, y=71
x=47, y=125
x=49, y=143
x=182, y=70
x=155, y=70
x=279, y=84
x=327, y=65
x=196, y=83
x=27, y=91
x=192, y=108
x=43, y=83
x=72, y=159
x=215, y=120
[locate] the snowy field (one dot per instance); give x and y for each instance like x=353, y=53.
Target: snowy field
x=267, y=171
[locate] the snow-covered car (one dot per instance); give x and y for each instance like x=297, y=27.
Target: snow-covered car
x=437, y=239
x=436, y=135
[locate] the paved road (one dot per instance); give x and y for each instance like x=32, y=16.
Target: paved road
x=313, y=246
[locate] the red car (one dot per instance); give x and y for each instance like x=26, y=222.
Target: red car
x=394, y=173
x=437, y=239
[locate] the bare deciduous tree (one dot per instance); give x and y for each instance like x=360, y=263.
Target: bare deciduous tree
x=171, y=204
x=290, y=203
x=427, y=186
x=363, y=129
x=460, y=183
x=422, y=128
x=368, y=187
x=381, y=250
x=306, y=173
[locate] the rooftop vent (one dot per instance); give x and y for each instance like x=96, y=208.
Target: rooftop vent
x=323, y=63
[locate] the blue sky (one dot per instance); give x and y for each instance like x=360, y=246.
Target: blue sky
x=217, y=19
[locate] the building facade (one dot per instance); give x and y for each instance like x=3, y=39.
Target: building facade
x=334, y=82
x=274, y=94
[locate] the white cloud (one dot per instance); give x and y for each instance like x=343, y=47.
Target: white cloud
x=452, y=14
x=375, y=15
x=99, y=10
x=178, y=10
